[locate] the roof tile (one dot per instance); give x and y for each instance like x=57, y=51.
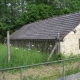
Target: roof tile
x=48, y=28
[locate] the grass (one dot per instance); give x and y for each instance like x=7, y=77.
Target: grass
x=20, y=56
x=72, y=70
x=24, y=56
x=72, y=66
x=36, y=73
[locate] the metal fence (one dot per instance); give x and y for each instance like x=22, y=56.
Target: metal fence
x=65, y=67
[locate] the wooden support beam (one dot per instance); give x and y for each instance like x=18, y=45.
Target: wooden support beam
x=58, y=40
x=58, y=47
x=53, y=51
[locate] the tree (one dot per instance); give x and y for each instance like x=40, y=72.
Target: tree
x=15, y=13
x=37, y=12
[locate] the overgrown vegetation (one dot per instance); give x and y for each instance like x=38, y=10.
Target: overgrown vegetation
x=72, y=70
x=20, y=56
x=23, y=56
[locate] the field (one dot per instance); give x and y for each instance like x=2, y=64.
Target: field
x=23, y=56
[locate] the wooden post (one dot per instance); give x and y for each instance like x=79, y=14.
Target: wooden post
x=58, y=47
x=52, y=52
x=8, y=46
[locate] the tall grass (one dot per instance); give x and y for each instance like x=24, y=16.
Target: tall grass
x=3, y=56
x=25, y=56
x=21, y=56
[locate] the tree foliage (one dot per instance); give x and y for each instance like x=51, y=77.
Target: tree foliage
x=16, y=13
x=37, y=12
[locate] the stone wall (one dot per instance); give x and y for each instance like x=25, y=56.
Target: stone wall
x=70, y=44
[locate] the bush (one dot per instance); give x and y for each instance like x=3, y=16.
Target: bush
x=58, y=56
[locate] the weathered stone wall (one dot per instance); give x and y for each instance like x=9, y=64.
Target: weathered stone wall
x=70, y=45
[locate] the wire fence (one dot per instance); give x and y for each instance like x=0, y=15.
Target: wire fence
x=54, y=70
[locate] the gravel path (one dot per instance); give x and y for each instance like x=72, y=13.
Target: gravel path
x=72, y=77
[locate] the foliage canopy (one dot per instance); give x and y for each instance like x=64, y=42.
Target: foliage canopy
x=16, y=13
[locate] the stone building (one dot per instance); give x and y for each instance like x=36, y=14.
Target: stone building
x=44, y=34
x=71, y=43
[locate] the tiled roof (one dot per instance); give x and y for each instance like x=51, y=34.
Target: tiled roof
x=48, y=28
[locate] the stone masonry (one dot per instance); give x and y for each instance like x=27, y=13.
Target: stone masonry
x=70, y=44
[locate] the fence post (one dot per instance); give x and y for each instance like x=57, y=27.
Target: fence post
x=63, y=70
x=58, y=41
x=8, y=46
x=21, y=73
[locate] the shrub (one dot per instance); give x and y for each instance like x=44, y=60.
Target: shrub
x=58, y=56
